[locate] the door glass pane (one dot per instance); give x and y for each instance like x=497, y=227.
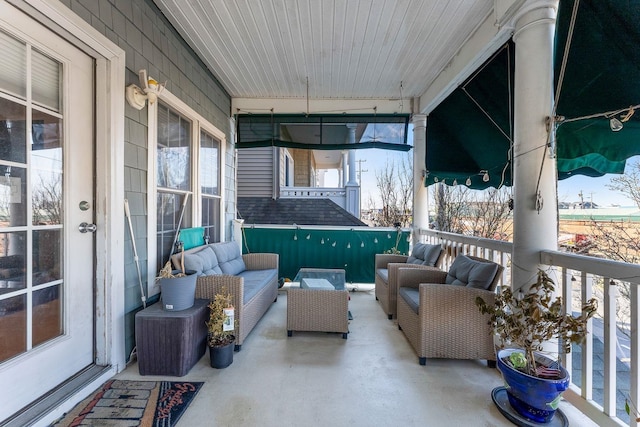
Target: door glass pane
x=13, y=119
x=174, y=150
x=13, y=66
x=45, y=75
x=13, y=196
x=13, y=261
x=209, y=169
x=13, y=326
x=47, y=314
x=46, y=175
x=47, y=256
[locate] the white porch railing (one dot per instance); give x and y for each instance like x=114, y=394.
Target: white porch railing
x=601, y=366
x=337, y=195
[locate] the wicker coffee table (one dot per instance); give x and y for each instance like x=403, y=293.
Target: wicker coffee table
x=318, y=306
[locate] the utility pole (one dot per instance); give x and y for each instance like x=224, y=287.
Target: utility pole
x=581, y=199
x=360, y=170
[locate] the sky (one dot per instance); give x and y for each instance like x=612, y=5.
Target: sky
x=568, y=189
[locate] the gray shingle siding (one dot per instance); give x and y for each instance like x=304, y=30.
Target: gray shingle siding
x=150, y=42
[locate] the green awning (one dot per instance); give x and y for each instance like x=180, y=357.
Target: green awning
x=602, y=74
x=323, y=131
x=468, y=133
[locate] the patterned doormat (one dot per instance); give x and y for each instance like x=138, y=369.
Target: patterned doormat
x=122, y=403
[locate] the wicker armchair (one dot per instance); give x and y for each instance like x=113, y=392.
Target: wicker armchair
x=442, y=320
x=386, y=271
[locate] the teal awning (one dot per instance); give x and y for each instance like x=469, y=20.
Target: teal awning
x=468, y=133
x=323, y=131
x=602, y=75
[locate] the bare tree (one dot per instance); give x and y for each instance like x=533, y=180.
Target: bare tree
x=395, y=191
x=472, y=212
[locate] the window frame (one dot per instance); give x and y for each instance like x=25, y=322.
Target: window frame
x=198, y=124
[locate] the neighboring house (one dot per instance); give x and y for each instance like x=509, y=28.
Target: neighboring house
x=291, y=173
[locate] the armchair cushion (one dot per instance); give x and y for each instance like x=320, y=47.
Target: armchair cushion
x=203, y=262
x=384, y=274
x=411, y=296
x=472, y=273
x=229, y=258
x=425, y=254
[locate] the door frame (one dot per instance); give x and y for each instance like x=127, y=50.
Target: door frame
x=109, y=181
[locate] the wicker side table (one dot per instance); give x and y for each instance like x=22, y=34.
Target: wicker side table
x=171, y=342
x=318, y=310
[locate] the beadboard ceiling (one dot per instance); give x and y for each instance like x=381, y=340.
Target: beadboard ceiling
x=347, y=49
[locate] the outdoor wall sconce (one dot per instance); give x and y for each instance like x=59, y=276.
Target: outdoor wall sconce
x=150, y=90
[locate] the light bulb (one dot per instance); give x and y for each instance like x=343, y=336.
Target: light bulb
x=435, y=179
x=308, y=236
x=333, y=244
x=295, y=237
x=349, y=245
x=485, y=177
x=362, y=245
x=455, y=181
x=375, y=240
x=468, y=182
x=322, y=241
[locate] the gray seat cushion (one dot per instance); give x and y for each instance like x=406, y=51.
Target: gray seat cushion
x=255, y=280
x=203, y=262
x=384, y=274
x=411, y=296
x=424, y=254
x=229, y=258
x=465, y=271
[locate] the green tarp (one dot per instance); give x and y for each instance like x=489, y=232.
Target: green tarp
x=469, y=131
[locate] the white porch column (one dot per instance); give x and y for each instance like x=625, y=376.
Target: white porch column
x=535, y=194
x=344, y=168
x=352, y=155
x=352, y=187
x=420, y=192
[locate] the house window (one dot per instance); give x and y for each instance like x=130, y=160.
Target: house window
x=173, y=179
x=210, y=185
x=187, y=191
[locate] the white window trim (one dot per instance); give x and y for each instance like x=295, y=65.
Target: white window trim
x=198, y=123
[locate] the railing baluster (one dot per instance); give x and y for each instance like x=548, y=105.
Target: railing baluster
x=635, y=353
x=610, y=333
x=587, y=347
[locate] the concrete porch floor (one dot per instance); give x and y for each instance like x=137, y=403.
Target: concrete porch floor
x=314, y=379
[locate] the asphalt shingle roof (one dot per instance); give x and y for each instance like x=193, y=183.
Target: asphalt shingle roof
x=317, y=211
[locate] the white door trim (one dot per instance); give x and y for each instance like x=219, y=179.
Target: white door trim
x=110, y=84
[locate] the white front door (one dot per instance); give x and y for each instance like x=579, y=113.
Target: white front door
x=46, y=191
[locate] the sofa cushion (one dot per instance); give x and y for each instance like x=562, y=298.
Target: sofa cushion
x=411, y=296
x=203, y=262
x=255, y=280
x=425, y=254
x=465, y=271
x=384, y=274
x=229, y=258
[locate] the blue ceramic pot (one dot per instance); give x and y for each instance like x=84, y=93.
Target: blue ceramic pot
x=534, y=398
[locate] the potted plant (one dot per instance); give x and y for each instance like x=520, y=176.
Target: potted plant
x=527, y=319
x=220, y=330
x=178, y=287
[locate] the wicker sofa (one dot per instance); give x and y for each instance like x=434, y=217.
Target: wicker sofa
x=437, y=311
x=423, y=256
x=252, y=280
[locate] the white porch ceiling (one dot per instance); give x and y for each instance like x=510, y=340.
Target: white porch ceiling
x=348, y=49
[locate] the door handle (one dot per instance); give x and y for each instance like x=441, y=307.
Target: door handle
x=87, y=228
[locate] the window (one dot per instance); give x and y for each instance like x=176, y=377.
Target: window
x=210, y=185
x=187, y=163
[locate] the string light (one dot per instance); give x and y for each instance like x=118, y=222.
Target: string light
x=349, y=245
x=468, y=182
x=322, y=241
x=485, y=176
